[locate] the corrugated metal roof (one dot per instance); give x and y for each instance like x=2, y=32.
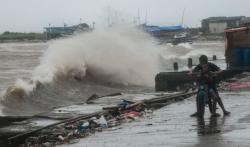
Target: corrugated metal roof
x=215, y=19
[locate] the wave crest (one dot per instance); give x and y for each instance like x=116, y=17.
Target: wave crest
x=120, y=55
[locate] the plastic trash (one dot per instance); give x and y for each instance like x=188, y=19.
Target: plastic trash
x=112, y=123
x=83, y=127
x=47, y=144
x=74, y=141
x=71, y=132
x=125, y=104
x=239, y=86
x=60, y=137
x=103, y=123
x=132, y=114
x=93, y=118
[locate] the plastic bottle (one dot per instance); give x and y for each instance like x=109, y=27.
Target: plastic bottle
x=103, y=122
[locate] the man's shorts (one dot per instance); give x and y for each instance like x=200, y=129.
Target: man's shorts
x=212, y=88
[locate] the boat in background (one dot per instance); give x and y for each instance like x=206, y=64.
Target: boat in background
x=183, y=37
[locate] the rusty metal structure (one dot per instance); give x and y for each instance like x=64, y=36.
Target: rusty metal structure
x=237, y=48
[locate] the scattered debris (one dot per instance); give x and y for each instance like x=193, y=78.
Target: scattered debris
x=72, y=130
x=238, y=86
x=239, y=82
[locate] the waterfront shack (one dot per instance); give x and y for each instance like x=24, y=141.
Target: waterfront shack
x=217, y=25
x=237, y=48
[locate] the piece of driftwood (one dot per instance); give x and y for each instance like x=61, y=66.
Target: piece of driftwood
x=95, y=97
x=21, y=137
x=164, y=99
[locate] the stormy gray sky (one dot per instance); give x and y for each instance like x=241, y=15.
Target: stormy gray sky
x=33, y=15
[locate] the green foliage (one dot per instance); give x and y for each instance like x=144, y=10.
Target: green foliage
x=21, y=36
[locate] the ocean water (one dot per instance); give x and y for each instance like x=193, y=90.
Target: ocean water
x=36, y=77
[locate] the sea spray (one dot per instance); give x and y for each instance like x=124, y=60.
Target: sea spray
x=117, y=55
x=123, y=55
x=71, y=70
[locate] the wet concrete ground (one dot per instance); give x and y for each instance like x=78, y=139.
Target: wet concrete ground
x=171, y=126
x=16, y=126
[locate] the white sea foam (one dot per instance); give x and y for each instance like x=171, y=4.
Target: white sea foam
x=122, y=55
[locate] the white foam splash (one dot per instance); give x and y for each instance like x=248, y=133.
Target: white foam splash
x=123, y=54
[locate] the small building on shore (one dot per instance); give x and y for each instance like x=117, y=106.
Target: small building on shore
x=56, y=32
x=237, y=51
x=217, y=25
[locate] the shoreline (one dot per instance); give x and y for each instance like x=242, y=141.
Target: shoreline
x=23, y=41
x=203, y=37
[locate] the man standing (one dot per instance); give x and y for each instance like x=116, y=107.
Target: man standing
x=208, y=70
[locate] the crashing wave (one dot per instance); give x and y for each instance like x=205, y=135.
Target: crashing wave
x=118, y=55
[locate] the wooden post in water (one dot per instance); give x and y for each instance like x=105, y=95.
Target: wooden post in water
x=190, y=63
x=214, y=57
x=175, y=66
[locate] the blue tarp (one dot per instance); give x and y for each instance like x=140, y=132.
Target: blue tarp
x=163, y=28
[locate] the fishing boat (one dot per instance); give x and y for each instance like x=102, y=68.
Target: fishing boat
x=182, y=37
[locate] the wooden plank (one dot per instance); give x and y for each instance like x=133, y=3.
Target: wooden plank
x=168, y=98
x=237, y=29
x=23, y=136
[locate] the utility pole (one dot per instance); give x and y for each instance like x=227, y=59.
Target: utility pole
x=146, y=17
x=138, y=17
x=182, y=19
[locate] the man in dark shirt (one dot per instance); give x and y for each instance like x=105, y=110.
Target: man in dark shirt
x=208, y=71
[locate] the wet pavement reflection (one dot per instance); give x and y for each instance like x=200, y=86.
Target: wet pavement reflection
x=172, y=126
x=210, y=128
